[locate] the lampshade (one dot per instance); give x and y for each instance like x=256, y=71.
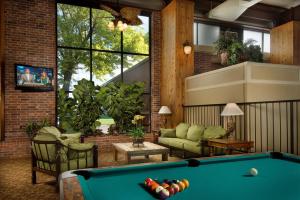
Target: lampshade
x=164, y=110
x=187, y=49
x=231, y=109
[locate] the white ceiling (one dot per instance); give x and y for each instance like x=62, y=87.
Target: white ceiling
x=282, y=3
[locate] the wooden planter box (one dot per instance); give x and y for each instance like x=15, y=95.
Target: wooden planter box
x=104, y=142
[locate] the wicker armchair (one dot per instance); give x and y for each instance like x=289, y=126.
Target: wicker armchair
x=54, y=153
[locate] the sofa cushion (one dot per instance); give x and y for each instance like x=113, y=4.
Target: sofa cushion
x=191, y=146
x=214, y=132
x=51, y=130
x=171, y=133
x=173, y=142
x=181, y=130
x=195, y=133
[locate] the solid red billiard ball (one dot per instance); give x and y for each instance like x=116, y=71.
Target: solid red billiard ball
x=175, y=187
x=171, y=191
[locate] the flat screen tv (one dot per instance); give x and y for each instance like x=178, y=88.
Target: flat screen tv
x=30, y=78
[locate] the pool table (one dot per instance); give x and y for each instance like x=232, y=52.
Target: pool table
x=210, y=179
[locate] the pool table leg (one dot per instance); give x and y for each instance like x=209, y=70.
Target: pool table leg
x=164, y=157
x=211, y=151
x=115, y=154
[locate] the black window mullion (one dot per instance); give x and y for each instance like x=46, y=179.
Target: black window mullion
x=122, y=53
x=91, y=44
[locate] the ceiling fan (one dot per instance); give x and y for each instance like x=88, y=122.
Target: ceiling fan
x=126, y=15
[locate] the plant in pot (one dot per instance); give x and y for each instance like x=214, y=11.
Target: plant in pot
x=137, y=133
x=32, y=127
x=223, y=44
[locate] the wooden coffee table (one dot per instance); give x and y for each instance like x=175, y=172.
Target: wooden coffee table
x=147, y=149
x=229, y=145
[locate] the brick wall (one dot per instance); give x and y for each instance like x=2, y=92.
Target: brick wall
x=204, y=62
x=29, y=39
x=155, y=69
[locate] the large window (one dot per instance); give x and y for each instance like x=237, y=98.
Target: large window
x=87, y=48
x=261, y=39
x=205, y=34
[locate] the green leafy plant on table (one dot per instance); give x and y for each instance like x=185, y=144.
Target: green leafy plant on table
x=137, y=132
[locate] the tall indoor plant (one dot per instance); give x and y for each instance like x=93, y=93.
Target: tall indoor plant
x=222, y=45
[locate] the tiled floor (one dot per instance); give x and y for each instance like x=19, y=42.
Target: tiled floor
x=15, y=177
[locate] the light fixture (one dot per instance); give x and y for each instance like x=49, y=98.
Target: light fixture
x=164, y=111
x=231, y=109
x=187, y=48
x=117, y=23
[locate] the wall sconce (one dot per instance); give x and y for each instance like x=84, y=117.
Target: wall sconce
x=187, y=48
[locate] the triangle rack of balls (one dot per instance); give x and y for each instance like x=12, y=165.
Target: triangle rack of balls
x=167, y=188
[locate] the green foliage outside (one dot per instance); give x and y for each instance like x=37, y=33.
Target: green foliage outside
x=82, y=111
x=122, y=102
x=74, y=30
x=118, y=100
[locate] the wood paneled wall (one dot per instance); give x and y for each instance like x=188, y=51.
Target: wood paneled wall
x=177, y=27
x=285, y=44
x=2, y=70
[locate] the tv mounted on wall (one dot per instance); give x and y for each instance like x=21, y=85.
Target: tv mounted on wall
x=30, y=78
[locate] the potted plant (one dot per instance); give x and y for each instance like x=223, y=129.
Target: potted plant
x=137, y=133
x=223, y=44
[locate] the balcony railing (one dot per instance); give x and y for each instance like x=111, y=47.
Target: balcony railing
x=272, y=125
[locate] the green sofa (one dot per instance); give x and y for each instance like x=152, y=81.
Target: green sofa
x=54, y=152
x=190, y=138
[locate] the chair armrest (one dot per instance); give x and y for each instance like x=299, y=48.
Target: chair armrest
x=81, y=146
x=71, y=135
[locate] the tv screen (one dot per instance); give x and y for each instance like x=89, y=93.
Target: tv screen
x=34, y=78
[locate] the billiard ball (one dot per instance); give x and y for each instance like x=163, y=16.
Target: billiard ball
x=148, y=182
x=186, y=183
x=164, y=193
x=165, y=185
x=253, y=172
x=181, y=186
x=154, y=185
x=175, y=187
x=171, y=191
x=158, y=189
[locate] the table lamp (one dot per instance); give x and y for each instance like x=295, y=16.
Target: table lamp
x=164, y=111
x=230, y=110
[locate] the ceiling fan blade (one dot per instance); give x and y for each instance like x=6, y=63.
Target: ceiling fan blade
x=110, y=10
x=131, y=15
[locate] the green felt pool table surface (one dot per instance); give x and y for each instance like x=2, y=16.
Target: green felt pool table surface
x=214, y=178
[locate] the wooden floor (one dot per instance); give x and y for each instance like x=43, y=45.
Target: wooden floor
x=15, y=177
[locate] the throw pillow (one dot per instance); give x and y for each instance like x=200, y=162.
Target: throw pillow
x=214, y=132
x=181, y=130
x=195, y=133
x=168, y=132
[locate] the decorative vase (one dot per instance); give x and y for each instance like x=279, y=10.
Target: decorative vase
x=224, y=58
x=138, y=141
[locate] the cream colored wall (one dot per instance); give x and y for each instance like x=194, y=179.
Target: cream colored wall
x=268, y=124
x=244, y=82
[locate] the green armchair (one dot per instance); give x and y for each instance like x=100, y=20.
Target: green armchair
x=54, y=153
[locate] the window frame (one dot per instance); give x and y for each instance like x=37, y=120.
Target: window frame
x=90, y=50
x=262, y=37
